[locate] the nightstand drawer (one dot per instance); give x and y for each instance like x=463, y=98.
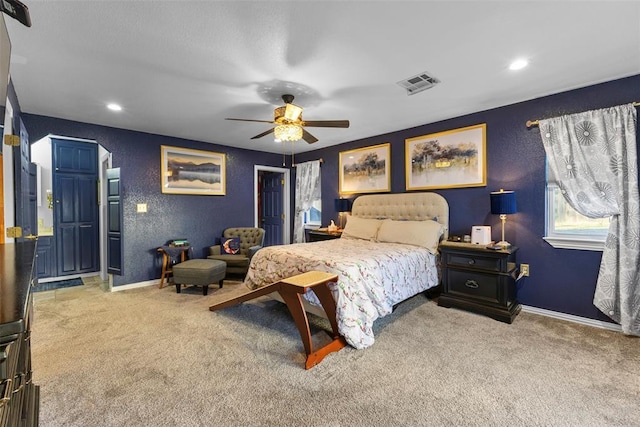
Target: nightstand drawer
x=474, y=260
x=473, y=284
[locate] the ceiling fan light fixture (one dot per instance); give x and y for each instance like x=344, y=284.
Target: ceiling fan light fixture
x=289, y=124
x=287, y=114
x=288, y=132
x=278, y=114
x=292, y=112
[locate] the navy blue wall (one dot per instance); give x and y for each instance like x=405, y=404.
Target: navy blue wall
x=201, y=219
x=561, y=279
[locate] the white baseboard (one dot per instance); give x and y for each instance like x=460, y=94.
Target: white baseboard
x=155, y=282
x=571, y=318
x=72, y=276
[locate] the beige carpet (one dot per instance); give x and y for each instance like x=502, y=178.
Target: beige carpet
x=151, y=357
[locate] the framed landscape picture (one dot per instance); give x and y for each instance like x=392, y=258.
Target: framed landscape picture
x=451, y=159
x=365, y=170
x=187, y=171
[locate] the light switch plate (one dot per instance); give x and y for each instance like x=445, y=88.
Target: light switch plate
x=142, y=207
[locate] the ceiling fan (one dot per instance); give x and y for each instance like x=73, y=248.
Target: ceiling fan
x=289, y=123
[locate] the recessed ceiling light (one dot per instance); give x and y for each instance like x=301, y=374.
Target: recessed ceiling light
x=114, y=107
x=518, y=64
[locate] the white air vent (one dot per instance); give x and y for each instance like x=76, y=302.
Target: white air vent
x=418, y=83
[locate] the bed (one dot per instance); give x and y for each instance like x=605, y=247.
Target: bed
x=387, y=253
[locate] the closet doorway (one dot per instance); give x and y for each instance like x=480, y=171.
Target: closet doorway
x=69, y=220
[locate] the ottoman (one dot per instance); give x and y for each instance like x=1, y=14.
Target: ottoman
x=199, y=272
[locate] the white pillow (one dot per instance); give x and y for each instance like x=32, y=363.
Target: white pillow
x=361, y=228
x=418, y=233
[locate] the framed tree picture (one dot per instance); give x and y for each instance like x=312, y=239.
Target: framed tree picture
x=450, y=159
x=187, y=171
x=365, y=170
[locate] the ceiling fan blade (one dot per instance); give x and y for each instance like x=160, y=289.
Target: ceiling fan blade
x=251, y=120
x=327, y=123
x=264, y=133
x=308, y=137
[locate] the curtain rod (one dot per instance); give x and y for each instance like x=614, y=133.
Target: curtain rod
x=321, y=160
x=531, y=123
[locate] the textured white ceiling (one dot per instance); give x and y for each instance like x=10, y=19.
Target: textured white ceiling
x=179, y=68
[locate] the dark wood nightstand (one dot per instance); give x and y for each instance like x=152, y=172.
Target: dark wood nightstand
x=318, y=235
x=478, y=279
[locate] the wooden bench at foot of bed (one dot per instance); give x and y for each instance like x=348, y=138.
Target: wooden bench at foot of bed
x=291, y=290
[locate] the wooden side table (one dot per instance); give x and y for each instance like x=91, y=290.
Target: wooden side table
x=478, y=279
x=171, y=255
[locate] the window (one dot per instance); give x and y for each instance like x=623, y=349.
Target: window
x=312, y=218
x=568, y=229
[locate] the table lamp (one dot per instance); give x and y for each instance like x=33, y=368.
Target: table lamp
x=503, y=203
x=342, y=206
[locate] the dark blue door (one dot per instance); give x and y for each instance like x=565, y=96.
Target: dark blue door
x=45, y=262
x=272, y=207
x=75, y=211
x=114, y=222
x=25, y=179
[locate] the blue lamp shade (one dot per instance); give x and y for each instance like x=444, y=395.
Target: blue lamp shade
x=342, y=205
x=503, y=202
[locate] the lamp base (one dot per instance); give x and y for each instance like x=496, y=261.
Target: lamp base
x=503, y=244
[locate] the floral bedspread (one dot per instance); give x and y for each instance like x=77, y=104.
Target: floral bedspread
x=372, y=277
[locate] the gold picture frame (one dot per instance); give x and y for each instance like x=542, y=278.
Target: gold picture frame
x=188, y=171
x=365, y=170
x=450, y=159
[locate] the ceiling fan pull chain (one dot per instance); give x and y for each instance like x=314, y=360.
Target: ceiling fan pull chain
x=293, y=161
x=284, y=158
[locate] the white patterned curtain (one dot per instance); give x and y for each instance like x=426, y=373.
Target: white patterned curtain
x=593, y=156
x=307, y=190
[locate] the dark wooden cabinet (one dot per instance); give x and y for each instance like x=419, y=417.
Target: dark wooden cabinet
x=19, y=396
x=478, y=279
x=317, y=235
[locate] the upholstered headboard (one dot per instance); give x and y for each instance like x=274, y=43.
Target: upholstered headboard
x=407, y=206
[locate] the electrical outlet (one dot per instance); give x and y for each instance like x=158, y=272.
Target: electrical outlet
x=524, y=270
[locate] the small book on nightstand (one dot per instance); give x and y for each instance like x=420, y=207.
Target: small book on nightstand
x=495, y=247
